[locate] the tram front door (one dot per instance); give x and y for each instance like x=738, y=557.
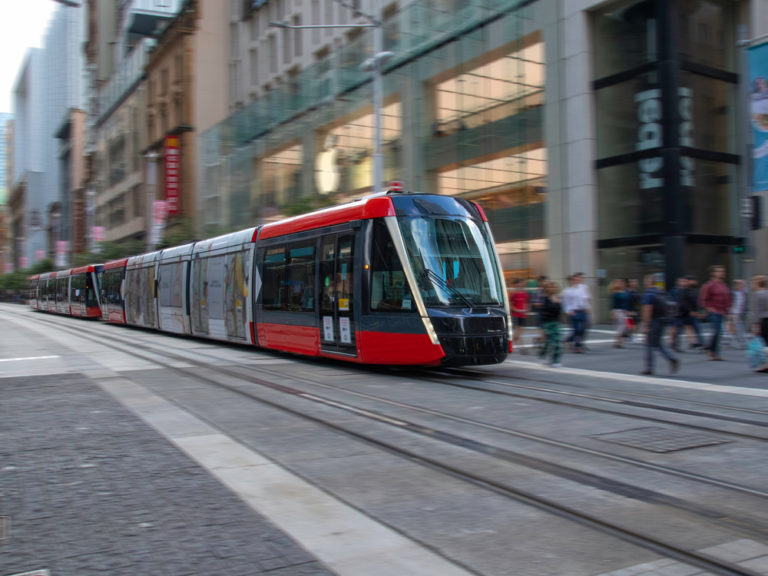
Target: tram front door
x=337, y=328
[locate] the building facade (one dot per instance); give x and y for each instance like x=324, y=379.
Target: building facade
x=29, y=201
x=72, y=137
x=186, y=88
x=600, y=137
x=121, y=36
x=6, y=162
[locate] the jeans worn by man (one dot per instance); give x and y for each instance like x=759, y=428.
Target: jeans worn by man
x=653, y=342
x=715, y=297
x=654, y=313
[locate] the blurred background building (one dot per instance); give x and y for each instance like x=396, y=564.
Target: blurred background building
x=6, y=159
x=610, y=138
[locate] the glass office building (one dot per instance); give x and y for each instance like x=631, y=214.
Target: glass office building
x=600, y=138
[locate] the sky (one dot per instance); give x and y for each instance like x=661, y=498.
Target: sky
x=22, y=25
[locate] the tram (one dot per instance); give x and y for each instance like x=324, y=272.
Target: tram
x=394, y=278
x=73, y=292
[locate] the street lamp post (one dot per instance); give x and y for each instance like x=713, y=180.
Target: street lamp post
x=373, y=64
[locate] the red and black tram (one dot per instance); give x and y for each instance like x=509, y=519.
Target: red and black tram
x=73, y=292
x=398, y=279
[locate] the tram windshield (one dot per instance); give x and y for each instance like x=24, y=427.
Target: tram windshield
x=453, y=260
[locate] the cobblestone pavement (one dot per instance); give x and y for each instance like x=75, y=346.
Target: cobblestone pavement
x=86, y=487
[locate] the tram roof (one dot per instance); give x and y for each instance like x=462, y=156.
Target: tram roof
x=116, y=264
x=366, y=208
x=84, y=269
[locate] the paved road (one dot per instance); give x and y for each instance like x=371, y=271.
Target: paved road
x=101, y=475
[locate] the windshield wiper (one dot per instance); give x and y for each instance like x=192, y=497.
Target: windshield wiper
x=440, y=281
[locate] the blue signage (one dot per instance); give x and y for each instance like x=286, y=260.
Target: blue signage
x=758, y=114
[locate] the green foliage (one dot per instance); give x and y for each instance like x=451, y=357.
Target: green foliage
x=13, y=283
x=40, y=268
x=180, y=232
x=304, y=205
x=109, y=251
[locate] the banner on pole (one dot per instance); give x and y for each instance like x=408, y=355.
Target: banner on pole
x=172, y=174
x=758, y=114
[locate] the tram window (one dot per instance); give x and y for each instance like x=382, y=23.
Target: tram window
x=170, y=284
x=61, y=290
x=110, y=282
x=90, y=293
x=77, y=288
x=389, y=287
x=288, y=277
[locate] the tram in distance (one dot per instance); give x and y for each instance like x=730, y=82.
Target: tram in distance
x=394, y=278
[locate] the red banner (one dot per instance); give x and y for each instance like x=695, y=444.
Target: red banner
x=172, y=174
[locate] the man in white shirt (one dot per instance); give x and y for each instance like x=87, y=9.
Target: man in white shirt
x=576, y=303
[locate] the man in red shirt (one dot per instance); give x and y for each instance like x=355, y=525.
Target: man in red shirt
x=518, y=304
x=715, y=298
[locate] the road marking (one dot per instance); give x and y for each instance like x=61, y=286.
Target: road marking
x=644, y=379
x=27, y=358
x=348, y=541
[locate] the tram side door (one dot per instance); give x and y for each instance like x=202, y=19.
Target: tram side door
x=337, y=327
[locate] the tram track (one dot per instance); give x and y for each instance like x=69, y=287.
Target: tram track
x=470, y=421
x=199, y=367
x=483, y=377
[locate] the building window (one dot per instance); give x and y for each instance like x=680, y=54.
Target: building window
x=255, y=27
x=117, y=162
x=273, y=54
x=138, y=204
x=287, y=45
x=493, y=91
x=329, y=16
x=297, y=38
x=316, y=19
x=254, y=57
x=179, y=66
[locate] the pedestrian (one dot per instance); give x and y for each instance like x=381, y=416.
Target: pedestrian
x=518, y=303
x=550, y=312
x=677, y=294
x=536, y=302
x=737, y=314
x=686, y=297
x=633, y=309
x=619, y=309
x=654, y=317
x=692, y=294
x=715, y=298
x=756, y=351
x=759, y=306
x=586, y=298
x=575, y=306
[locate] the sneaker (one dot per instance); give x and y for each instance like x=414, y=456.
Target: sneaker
x=647, y=372
x=674, y=365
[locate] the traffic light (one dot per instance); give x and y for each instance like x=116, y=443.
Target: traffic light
x=756, y=219
x=738, y=249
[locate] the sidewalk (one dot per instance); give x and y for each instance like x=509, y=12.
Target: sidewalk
x=695, y=365
x=87, y=487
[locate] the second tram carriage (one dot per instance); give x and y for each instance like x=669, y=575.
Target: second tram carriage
x=73, y=292
x=398, y=279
